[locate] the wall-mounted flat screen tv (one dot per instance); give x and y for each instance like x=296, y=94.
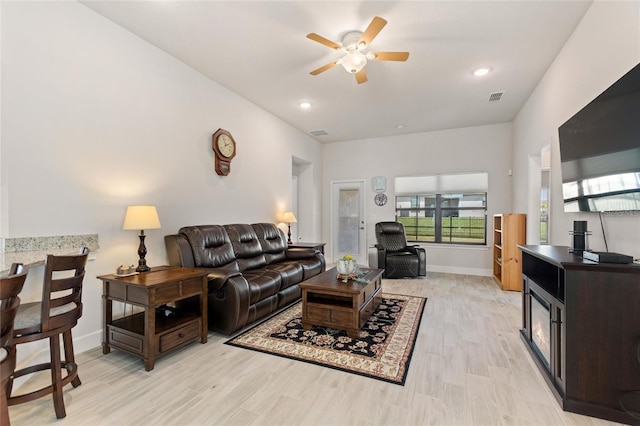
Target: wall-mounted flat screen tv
x=600, y=151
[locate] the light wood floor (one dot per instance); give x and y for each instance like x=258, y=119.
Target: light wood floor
x=469, y=367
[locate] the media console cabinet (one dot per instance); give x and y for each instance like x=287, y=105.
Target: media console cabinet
x=581, y=323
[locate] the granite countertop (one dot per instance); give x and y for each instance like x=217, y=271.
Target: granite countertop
x=32, y=251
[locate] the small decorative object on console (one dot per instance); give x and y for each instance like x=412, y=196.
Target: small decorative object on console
x=126, y=270
x=346, y=267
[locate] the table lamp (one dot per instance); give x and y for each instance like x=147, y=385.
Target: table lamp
x=289, y=218
x=141, y=217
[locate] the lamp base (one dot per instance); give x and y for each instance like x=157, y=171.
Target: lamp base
x=141, y=267
x=142, y=252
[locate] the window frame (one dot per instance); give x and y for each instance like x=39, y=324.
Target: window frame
x=437, y=209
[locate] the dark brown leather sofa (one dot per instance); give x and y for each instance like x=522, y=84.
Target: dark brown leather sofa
x=252, y=270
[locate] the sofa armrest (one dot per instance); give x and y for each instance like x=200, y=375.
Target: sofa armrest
x=382, y=256
x=179, y=251
x=422, y=258
x=298, y=253
x=219, y=276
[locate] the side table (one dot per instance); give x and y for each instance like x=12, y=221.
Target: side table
x=146, y=334
x=317, y=246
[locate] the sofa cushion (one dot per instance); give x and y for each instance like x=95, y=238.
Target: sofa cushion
x=310, y=267
x=246, y=246
x=291, y=273
x=272, y=241
x=210, y=244
x=288, y=295
x=262, y=283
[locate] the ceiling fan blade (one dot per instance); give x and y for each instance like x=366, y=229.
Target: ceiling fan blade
x=361, y=76
x=324, y=68
x=391, y=56
x=322, y=40
x=376, y=25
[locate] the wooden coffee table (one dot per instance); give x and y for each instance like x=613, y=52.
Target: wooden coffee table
x=328, y=302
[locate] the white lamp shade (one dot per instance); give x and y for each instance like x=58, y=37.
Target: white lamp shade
x=289, y=217
x=141, y=217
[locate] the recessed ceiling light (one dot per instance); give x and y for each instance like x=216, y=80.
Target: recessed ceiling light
x=305, y=105
x=481, y=71
x=400, y=126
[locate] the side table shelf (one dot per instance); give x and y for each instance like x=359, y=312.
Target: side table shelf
x=146, y=334
x=317, y=246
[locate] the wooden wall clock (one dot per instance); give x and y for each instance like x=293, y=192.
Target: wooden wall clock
x=224, y=147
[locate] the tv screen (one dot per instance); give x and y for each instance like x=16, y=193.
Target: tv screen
x=600, y=150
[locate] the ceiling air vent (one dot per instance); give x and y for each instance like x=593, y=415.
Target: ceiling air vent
x=495, y=96
x=318, y=133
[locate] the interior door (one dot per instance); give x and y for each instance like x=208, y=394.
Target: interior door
x=348, y=220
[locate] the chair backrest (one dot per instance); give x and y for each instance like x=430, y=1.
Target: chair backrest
x=62, y=290
x=10, y=287
x=390, y=236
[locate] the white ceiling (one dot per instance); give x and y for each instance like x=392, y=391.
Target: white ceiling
x=259, y=50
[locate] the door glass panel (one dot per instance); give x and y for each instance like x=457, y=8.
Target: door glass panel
x=348, y=221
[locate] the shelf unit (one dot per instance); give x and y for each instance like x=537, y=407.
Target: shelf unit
x=509, y=230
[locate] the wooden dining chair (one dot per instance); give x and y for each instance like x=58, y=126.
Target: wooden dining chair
x=56, y=314
x=10, y=287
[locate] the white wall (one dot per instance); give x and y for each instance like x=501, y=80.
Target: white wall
x=604, y=46
x=94, y=119
x=472, y=149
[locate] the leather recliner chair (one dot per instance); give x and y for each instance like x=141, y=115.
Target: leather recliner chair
x=394, y=255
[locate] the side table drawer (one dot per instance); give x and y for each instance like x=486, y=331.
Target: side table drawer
x=178, y=290
x=182, y=335
x=128, y=341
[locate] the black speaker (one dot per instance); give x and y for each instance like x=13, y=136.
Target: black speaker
x=579, y=243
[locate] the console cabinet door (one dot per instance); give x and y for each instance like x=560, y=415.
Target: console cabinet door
x=555, y=322
x=558, y=367
x=526, y=308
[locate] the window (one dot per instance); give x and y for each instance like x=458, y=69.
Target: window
x=434, y=209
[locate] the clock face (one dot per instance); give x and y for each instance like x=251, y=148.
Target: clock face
x=226, y=145
x=380, y=199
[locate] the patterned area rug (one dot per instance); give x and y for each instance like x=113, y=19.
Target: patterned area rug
x=382, y=350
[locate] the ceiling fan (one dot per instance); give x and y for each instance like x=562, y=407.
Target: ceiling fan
x=354, y=46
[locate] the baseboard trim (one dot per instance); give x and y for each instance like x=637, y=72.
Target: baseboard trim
x=460, y=270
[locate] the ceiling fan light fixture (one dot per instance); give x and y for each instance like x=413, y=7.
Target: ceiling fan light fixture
x=353, y=62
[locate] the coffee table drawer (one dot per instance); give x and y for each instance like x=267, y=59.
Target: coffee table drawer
x=369, y=308
x=328, y=316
